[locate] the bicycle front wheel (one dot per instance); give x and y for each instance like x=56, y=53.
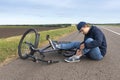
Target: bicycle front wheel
x=30, y=37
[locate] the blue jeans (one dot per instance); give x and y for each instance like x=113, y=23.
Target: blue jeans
x=93, y=53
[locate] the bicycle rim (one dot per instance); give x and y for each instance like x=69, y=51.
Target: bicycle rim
x=30, y=36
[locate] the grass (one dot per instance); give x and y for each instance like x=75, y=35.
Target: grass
x=107, y=25
x=8, y=46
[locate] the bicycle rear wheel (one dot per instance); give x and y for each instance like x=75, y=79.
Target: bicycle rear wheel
x=29, y=38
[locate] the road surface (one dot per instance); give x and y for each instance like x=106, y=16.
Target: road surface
x=86, y=69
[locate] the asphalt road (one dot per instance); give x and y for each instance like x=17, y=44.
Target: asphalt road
x=86, y=69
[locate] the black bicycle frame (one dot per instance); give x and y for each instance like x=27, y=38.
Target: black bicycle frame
x=41, y=52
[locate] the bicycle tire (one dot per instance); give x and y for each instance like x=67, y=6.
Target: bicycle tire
x=30, y=36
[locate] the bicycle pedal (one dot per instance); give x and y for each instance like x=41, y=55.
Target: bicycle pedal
x=51, y=61
x=37, y=61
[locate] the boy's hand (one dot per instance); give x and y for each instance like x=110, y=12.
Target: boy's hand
x=82, y=46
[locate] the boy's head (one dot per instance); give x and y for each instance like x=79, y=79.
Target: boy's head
x=83, y=27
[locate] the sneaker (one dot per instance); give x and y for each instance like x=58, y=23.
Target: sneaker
x=72, y=59
x=54, y=44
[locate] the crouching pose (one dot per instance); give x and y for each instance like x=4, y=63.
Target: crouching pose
x=94, y=45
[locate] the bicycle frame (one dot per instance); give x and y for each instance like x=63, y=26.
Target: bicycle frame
x=41, y=52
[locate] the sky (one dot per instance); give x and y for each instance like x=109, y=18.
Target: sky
x=59, y=11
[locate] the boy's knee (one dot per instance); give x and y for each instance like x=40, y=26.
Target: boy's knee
x=89, y=40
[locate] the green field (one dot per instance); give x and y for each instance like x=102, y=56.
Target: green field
x=107, y=25
x=8, y=46
x=34, y=26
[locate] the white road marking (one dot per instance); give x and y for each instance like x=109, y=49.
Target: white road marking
x=112, y=31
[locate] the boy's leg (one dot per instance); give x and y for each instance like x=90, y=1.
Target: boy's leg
x=93, y=53
x=71, y=45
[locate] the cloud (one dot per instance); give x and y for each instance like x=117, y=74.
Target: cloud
x=54, y=3
x=42, y=11
x=111, y=5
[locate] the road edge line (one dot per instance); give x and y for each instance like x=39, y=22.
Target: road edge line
x=112, y=31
